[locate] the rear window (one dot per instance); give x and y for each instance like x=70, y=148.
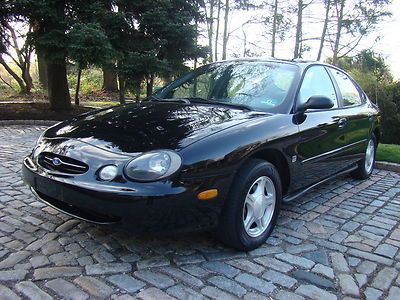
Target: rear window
x=350, y=93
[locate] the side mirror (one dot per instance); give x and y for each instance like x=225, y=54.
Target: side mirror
x=316, y=102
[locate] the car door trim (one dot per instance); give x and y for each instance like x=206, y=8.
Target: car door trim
x=344, y=148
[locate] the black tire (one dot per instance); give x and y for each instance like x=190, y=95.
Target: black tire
x=362, y=172
x=231, y=229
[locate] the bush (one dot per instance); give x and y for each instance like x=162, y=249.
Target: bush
x=386, y=95
x=389, y=104
x=91, y=81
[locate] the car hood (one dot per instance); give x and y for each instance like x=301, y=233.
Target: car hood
x=134, y=128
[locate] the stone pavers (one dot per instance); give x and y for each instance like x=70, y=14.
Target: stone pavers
x=338, y=241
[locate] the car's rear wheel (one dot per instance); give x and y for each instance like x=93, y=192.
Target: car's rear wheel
x=253, y=206
x=366, y=165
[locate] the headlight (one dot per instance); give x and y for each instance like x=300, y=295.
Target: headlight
x=152, y=166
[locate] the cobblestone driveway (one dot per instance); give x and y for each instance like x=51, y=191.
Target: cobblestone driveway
x=340, y=240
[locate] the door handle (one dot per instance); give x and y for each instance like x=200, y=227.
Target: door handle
x=342, y=123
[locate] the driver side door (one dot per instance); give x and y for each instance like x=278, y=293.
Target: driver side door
x=321, y=131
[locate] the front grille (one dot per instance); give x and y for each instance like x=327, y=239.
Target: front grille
x=62, y=164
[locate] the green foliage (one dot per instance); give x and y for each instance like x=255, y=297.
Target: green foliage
x=372, y=73
x=89, y=45
x=159, y=37
x=390, y=153
x=141, y=38
x=91, y=81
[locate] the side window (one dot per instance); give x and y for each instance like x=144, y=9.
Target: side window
x=317, y=82
x=350, y=94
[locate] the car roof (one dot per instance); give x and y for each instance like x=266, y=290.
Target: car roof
x=297, y=61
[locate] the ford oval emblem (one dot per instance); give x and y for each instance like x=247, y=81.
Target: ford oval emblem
x=56, y=161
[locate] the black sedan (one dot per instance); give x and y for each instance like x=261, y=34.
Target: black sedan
x=219, y=148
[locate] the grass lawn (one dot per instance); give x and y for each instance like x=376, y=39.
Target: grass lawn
x=389, y=153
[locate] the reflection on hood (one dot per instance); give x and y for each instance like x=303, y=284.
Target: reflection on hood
x=137, y=128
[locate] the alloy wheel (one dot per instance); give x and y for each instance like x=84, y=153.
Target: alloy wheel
x=369, y=156
x=259, y=206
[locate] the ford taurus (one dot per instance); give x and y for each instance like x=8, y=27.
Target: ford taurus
x=219, y=148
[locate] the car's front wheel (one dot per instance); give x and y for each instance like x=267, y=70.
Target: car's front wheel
x=366, y=165
x=253, y=206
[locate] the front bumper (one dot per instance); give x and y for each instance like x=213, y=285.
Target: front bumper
x=139, y=207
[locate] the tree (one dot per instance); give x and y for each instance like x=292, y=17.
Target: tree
x=339, y=5
x=298, y=44
x=327, y=4
x=218, y=14
x=299, y=30
x=165, y=37
x=19, y=53
x=208, y=8
x=355, y=23
x=88, y=46
x=225, y=36
x=217, y=29
x=371, y=72
x=274, y=27
x=230, y=5
x=52, y=20
x=276, y=22
x=110, y=77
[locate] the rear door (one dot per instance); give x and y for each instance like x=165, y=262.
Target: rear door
x=321, y=132
x=357, y=113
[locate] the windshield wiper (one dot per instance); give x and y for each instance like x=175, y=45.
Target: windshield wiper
x=179, y=100
x=230, y=104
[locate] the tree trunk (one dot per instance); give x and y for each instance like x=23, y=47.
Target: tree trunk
x=26, y=77
x=297, y=46
x=22, y=62
x=274, y=28
x=58, y=86
x=217, y=30
x=42, y=69
x=21, y=83
x=149, y=85
x=225, y=37
x=110, y=80
x=321, y=44
x=121, y=82
x=210, y=21
x=197, y=43
x=339, y=31
x=78, y=85
x=58, y=91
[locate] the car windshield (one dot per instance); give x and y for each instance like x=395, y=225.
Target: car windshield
x=253, y=84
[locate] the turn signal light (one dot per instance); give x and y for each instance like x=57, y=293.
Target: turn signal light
x=208, y=194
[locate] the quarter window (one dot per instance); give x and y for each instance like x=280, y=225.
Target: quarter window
x=317, y=82
x=350, y=94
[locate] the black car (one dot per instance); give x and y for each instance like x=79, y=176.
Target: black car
x=220, y=147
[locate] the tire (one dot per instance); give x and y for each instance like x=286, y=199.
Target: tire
x=256, y=185
x=366, y=165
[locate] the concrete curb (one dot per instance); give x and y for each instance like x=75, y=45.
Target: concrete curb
x=388, y=166
x=27, y=122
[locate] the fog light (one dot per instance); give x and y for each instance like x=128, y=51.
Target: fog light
x=108, y=173
x=208, y=194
